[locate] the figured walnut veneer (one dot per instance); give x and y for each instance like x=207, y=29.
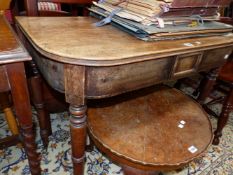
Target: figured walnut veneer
x=141, y=129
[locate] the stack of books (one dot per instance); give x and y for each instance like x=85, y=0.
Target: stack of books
x=152, y=20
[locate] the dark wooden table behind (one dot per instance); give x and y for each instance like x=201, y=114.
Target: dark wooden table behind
x=13, y=79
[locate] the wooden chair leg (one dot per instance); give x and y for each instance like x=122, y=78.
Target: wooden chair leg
x=11, y=121
x=10, y=118
x=9, y=141
x=223, y=118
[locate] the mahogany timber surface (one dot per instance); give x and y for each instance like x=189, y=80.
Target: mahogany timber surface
x=76, y=40
x=83, y=61
x=11, y=49
x=13, y=78
x=141, y=129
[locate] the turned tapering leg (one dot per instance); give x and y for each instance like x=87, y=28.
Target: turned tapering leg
x=30, y=147
x=74, y=80
x=20, y=96
x=223, y=118
x=38, y=101
x=78, y=136
x=206, y=85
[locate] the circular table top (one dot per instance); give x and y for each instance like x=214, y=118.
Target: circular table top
x=159, y=127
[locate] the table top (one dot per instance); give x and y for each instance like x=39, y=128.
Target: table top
x=11, y=50
x=164, y=130
x=76, y=40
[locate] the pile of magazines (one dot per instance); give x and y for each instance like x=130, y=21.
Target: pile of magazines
x=153, y=20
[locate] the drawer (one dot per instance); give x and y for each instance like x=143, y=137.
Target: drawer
x=214, y=58
x=113, y=80
x=186, y=64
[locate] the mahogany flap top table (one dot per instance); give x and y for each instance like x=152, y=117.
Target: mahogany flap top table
x=84, y=61
x=108, y=54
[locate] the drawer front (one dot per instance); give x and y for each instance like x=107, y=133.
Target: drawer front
x=109, y=81
x=214, y=58
x=4, y=83
x=186, y=64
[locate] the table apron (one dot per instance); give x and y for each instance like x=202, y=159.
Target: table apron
x=106, y=81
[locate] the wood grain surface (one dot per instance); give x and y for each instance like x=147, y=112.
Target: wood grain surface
x=11, y=49
x=143, y=128
x=76, y=40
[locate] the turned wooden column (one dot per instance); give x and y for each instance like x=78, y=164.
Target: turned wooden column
x=78, y=136
x=38, y=101
x=223, y=118
x=74, y=77
x=206, y=85
x=22, y=106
